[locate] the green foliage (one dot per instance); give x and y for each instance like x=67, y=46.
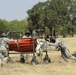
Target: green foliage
x=57, y=15
x=14, y=25
x=2, y=27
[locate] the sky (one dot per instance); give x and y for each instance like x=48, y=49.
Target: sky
x=16, y=9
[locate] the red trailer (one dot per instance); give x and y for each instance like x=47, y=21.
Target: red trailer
x=24, y=45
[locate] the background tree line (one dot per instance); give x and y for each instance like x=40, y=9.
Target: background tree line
x=57, y=17
x=14, y=25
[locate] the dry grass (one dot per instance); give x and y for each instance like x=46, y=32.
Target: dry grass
x=57, y=67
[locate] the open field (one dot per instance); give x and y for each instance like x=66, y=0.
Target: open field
x=57, y=67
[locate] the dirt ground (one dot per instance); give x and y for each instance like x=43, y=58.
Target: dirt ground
x=57, y=66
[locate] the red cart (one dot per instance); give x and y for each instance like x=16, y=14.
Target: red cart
x=24, y=45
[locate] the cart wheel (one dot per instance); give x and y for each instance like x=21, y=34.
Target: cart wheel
x=34, y=61
x=22, y=59
x=47, y=59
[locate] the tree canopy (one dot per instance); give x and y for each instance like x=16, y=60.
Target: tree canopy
x=57, y=15
x=13, y=25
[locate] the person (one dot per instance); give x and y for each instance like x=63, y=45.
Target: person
x=61, y=46
x=3, y=44
x=27, y=34
x=34, y=32
x=4, y=47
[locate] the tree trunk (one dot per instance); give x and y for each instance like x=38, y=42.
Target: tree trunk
x=51, y=31
x=63, y=32
x=72, y=32
x=54, y=33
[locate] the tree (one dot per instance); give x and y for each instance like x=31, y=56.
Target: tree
x=52, y=14
x=2, y=27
